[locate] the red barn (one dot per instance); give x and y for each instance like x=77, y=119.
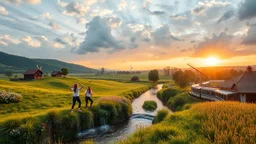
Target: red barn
x=56, y=74
x=33, y=74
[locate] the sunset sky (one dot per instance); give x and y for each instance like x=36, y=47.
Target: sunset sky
x=146, y=34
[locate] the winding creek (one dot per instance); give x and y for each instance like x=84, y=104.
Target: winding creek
x=140, y=118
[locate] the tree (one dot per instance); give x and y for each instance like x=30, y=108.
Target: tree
x=64, y=71
x=153, y=76
x=102, y=70
x=183, y=78
x=8, y=74
x=167, y=71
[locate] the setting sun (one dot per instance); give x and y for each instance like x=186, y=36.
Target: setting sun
x=211, y=61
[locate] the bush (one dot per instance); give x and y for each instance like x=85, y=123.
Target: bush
x=176, y=103
x=166, y=93
x=150, y=105
x=160, y=116
x=9, y=97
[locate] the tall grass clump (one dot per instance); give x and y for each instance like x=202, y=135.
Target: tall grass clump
x=160, y=116
x=111, y=110
x=135, y=93
x=9, y=97
x=166, y=93
x=149, y=105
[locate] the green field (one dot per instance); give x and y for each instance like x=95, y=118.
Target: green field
x=49, y=93
x=124, y=77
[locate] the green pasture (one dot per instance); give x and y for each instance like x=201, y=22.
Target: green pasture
x=53, y=93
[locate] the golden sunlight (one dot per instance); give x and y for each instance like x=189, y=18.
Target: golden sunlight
x=211, y=61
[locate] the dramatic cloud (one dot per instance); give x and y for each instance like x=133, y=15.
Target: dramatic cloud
x=146, y=3
x=62, y=4
x=58, y=40
x=53, y=25
x=29, y=41
x=250, y=39
x=163, y=37
x=3, y=11
x=179, y=17
x=203, y=6
x=46, y=16
x=6, y=39
x=100, y=12
x=33, y=2
x=227, y=15
x=98, y=36
x=114, y=22
x=155, y=12
x=247, y=9
x=218, y=45
x=122, y=5
x=81, y=21
x=42, y=38
x=76, y=9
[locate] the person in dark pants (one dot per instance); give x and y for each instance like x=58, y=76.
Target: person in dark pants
x=88, y=96
x=76, y=90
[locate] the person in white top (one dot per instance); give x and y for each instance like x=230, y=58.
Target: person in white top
x=88, y=95
x=76, y=90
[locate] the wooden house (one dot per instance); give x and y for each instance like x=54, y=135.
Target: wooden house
x=31, y=74
x=56, y=74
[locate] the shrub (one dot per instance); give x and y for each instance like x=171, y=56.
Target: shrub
x=150, y=105
x=161, y=115
x=135, y=79
x=9, y=97
x=166, y=93
x=177, y=102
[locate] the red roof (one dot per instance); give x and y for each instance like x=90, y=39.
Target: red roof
x=56, y=72
x=31, y=71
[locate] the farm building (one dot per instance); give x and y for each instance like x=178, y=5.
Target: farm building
x=33, y=74
x=241, y=88
x=56, y=74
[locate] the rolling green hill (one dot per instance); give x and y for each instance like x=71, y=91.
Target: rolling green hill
x=15, y=63
x=60, y=64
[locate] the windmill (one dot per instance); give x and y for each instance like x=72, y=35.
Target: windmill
x=131, y=68
x=39, y=67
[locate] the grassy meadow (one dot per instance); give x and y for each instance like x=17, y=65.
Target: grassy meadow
x=125, y=77
x=51, y=93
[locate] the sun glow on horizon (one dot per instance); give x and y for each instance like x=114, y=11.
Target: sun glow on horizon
x=211, y=61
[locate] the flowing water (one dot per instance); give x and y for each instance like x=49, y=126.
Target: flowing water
x=140, y=118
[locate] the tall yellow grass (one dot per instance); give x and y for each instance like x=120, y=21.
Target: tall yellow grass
x=228, y=122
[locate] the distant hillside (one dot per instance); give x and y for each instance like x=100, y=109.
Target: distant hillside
x=15, y=63
x=70, y=66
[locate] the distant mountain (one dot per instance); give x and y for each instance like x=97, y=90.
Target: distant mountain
x=15, y=63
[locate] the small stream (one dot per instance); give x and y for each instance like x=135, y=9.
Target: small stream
x=140, y=118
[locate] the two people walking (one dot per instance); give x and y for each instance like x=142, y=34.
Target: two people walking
x=76, y=91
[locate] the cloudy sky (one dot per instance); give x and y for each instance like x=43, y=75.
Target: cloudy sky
x=119, y=33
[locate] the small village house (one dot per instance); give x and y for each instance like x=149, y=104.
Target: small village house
x=56, y=74
x=31, y=74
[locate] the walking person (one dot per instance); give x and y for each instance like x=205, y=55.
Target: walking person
x=88, y=96
x=76, y=90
